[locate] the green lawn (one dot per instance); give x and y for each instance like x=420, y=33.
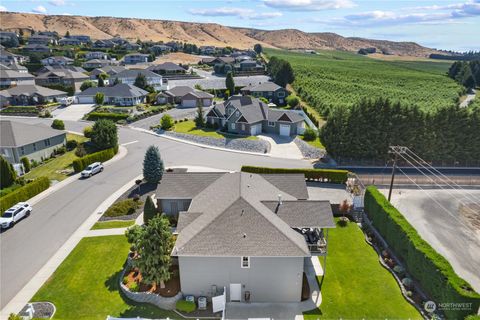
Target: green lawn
x=189, y=127
x=355, y=285
x=85, y=285
x=315, y=143
x=113, y=224
x=51, y=167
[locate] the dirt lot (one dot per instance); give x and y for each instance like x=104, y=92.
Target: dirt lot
x=179, y=57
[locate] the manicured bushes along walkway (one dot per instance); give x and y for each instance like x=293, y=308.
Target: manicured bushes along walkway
x=24, y=193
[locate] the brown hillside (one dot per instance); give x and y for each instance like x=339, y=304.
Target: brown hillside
x=200, y=33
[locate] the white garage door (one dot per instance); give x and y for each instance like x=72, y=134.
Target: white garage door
x=284, y=130
x=189, y=103
x=255, y=129
x=85, y=99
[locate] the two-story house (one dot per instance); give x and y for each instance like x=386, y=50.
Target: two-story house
x=135, y=58
x=128, y=76
x=269, y=90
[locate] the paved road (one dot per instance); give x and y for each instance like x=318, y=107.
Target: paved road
x=27, y=247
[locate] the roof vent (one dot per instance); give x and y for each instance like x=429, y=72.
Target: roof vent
x=280, y=201
x=243, y=211
x=244, y=235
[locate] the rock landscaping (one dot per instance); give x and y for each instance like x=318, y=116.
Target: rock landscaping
x=41, y=310
x=259, y=146
x=307, y=150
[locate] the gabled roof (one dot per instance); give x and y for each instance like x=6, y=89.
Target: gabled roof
x=111, y=70
x=291, y=183
x=284, y=115
x=179, y=91
x=262, y=87
x=31, y=89
x=252, y=109
x=63, y=73
x=17, y=134
x=121, y=90
x=303, y=213
x=6, y=73
x=56, y=67
x=185, y=185
x=234, y=221
x=133, y=73
x=199, y=94
x=170, y=66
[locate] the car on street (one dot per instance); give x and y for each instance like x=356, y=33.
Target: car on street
x=15, y=214
x=92, y=169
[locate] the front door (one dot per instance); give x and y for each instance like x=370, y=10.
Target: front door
x=236, y=292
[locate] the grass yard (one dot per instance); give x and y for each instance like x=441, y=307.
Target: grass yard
x=113, y=224
x=315, y=143
x=50, y=168
x=189, y=128
x=355, y=285
x=85, y=285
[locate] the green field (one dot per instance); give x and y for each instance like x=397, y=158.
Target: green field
x=333, y=78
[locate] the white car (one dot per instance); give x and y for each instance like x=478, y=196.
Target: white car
x=15, y=214
x=92, y=169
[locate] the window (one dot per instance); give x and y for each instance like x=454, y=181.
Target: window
x=243, y=127
x=237, y=113
x=174, y=207
x=22, y=150
x=232, y=125
x=47, y=142
x=271, y=124
x=245, y=262
x=34, y=147
x=281, y=94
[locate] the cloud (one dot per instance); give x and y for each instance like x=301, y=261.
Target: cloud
x=3, y=9
x=57, y=2
x=427, y=15
x=309, y=5
x=39, y=9
x=242, y=13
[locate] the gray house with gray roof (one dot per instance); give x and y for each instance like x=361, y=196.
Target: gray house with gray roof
x=247, y=115
x=246, y=232
x=121, y=94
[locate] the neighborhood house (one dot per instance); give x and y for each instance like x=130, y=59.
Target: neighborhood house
x=24, y=95
x=121, y=94
x=186, y=97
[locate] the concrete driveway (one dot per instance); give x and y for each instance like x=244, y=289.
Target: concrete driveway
x=73, y=112
x=283, y=147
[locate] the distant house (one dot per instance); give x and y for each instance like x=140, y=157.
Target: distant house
x=186, y=97
x=14, y=66
x=96, y=55
x=121, y=94
x=9, y=58
x=245, y=66
x=130, y=46
x=57, y=60
x=110, y=70
x=41, y=39
x=249, y=116
x=269, y=90
x=34, y=141
x=174, y=45
x=119, y=41
x=69, y=42
x=9, y=39
x=104, y=44
x=134, y=58
x=251, y=234
x=167, y=68
x=160, y=49
x=128, y=76
x=99, y=63
x=37, y=48
x=24, y=95
x=63, y=77
x=218, y=60
x=10, y=77
x=82, y=38
x=208, y=50
x=57, y=67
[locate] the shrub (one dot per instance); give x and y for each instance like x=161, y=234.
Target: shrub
x=7, y=173
x=292, y=101
x=185, y=306
x=309, y=134
x=58, y=124
x=434, y=273
x=60, y=150
x=87, y=131
x=329, y=175
x=20, y=109
x=93, y=116
x=24, y=193
x=123, y=208
x=399, y=270
x=125, y=280
x=134, y=287
x=149, y=210
x=166, y=122
x=80, y=152
x=101, y=156
x=104, y=134
x=71, y=144
x=26, y=164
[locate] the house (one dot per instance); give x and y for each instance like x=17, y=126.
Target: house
x=57, y=60
x=98, y=63
x=103, y=44
x=167, y=68
x=128, y=76
x=61, y=68
x=34, y=141
x=14, y=66
x=130, y=46
x=118, y=41
x=41, y=39
x=218, y=60
x=69, y=42
x=82, y=38
x=11, y=77
x=9, y=39
x=120, y=94
x=208, y=50
x=269, y=90
x=96, y=55
x=9, y=58
x=175, y=46
x=160, y=49
x=30, y=94
x=134, y=58
x=246, y=232
x=249, y=116
x=63, y=77
x=110, y=70
x=186, y=97
x=252, y=66
x=51, y=34
x=37, y=48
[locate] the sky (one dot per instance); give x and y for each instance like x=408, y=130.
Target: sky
x=450, y=25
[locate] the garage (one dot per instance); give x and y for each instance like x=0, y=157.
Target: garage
x=85, y=99
x=285, y=130
x=255, y=129
x=189, y=103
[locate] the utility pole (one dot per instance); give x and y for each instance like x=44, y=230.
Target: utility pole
x=396, y=150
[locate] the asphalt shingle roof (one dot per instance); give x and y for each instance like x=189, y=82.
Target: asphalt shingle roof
x=119, y=90
x=185, y=185
x=303, y=213
x=291, y=183
x=17, y=134
x=263, y=87
x=30, y=89
x=170, y=66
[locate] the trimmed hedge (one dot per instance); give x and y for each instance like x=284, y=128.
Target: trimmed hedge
x=20, y=110
x=428, y=267
x=329, y=175
x=109, y=116
x=101, y=156
x=123, y=208
x=24, y=193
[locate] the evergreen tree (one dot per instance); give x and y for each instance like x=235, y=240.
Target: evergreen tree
x=149, y=210
x=140, y=81
x=101, y=82
x=258, y=48
x=7, y=174
x=99, y=98
x=200, y=118
x=67, y=34
x=104, y=134
x=230, y=83
x=116, y=81
x=153, y=244
x=87, y=84
x=153, y=165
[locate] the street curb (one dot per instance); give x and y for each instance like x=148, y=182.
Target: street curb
x=37, y=281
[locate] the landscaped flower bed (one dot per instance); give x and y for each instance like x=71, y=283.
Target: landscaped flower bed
x=133, y=281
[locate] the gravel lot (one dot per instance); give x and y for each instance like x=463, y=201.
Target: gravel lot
x=235, y=144
x=447, y=229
